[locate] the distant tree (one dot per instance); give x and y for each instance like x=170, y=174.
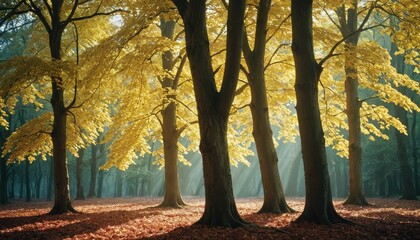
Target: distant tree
x=93, y=171
x=79, y=175
x=408, y=188
x=214, y=105
x=319, y=207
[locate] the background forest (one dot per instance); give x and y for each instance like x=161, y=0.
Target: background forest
x=114, y=78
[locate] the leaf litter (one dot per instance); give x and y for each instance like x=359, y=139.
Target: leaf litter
x=138, y=218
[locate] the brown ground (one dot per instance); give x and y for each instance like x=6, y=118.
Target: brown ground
x=133, y=218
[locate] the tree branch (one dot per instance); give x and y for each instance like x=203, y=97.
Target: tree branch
x=182, y=6
x=178, y=72
x=358, y=31
x=14, y=11
x=34, y=8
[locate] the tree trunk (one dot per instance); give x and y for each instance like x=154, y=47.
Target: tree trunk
x=274, y=199
x=12, y=184
x=408, y=190
x=318, y=203
x=27, y=182
x=50, y=181
x=101, y=173
x=38, y=180
x=93, y=172
x=356, y=195
x=414, y=153
x=100, y=183
x=214, y=106
x=118, y=184
x=348, y=27
x=3, y=170
x=170, y=133
x=79, y=175
x=62, y=203
x=3, y=180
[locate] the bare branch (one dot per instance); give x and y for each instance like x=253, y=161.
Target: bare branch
x=76, y=37
x=92, y=16
x=182, y=6
x=35, y=9
x=178, y=72
x=14, y=11
x=358, y=31
x=278, y=27
x=48, y=7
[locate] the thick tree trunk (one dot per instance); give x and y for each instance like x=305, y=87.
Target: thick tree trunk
x=220, y=208
x=214, y=106
x=79, y=175
x=170, y=133
x=62, y=203
x=318, y=203
x=93, y=172
x=274, y=199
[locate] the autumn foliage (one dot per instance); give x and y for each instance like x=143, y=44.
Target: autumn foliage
x=136, y=218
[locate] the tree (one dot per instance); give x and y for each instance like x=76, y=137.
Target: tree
x=318, y=203
x=213, y=106
x=55, y=17
x=79, y=175
x=170, y=131
x=274, y=199
x=93, y=171
x=408, y=188
x=366, y=65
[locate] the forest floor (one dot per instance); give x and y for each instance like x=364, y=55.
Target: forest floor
x=136, y=218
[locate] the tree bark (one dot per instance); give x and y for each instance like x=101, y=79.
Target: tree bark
x=3, y=172
x=348, y=28
x=118, y=183
x=318, y=203
x=408, y=189
x=62, y=202
x=50, y=180
x=214, y=106
x=27, y=182
x=93, y=172
x=356, y=195
x=79, y=175
x=274, y=198
x=170, y=133
x=12, y=184
x=101, y=173
x=414, y=153
x=38, y=180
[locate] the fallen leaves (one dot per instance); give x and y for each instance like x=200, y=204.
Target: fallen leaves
x=137, y=218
